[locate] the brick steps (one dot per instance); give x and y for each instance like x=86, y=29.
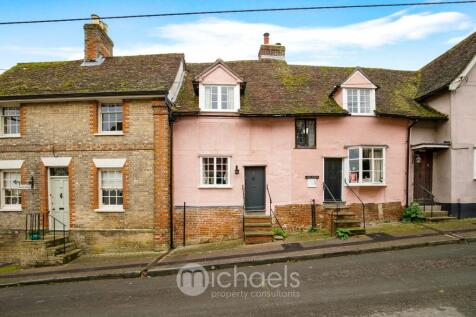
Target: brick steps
x=258, y=228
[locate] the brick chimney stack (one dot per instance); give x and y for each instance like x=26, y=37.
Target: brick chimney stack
x=271, y=51
x=96, y=41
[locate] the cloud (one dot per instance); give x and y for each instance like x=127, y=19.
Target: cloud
x=208, y=39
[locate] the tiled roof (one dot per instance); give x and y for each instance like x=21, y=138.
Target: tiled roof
x=116, y=75
x=440, y=72
x=277, y=88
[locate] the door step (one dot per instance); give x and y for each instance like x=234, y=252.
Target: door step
x=258, y=228
x=255, y=237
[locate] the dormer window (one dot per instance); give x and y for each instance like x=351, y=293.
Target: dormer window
x=358, y=101
x=219, y=97
x=358, y=94
x=219, y=88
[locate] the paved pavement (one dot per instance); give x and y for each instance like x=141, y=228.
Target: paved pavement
x=121, y=267
x=428, y=281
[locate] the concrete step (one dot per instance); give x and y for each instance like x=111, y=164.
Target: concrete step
x=434, y=219
x=68, y=256
x=429, y=208
x=441, y=213
x=57, y=241
x=355, y=231
x=258, y=226
x=59, y=249
x=258, y=219
x=347, y=223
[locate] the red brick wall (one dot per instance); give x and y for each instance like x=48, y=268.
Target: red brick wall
x=71, y=185
x=93, y=180
x=391, y=211
x=22, y=120
x=296, y=217
x=208, y=224
x=161, y=175
x=93, y=116
x=43, y=188
x=24, y=179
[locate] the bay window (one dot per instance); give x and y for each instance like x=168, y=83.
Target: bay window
x=215, y=171
x=366, y=165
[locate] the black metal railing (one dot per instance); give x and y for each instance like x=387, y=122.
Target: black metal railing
x=432, y=201
x=313, y=214
x=363, y=204
x=37, y=225
x=271, y=207
x=244, y=209
x=336, y=209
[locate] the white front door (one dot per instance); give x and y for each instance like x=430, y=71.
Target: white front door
x=59, y=202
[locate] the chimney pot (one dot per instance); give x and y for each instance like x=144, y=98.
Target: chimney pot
x=266, y=38
x=96, y=41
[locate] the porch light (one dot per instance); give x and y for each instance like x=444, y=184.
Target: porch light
x=237, y=171
x=418, y=159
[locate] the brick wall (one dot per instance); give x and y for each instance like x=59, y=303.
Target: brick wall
x=297, y=216
x=66, y=129
x=208, y=224
x=391, y=211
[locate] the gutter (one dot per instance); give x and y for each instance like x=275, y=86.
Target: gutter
x=199, y=114
x=147, y=93
x=407, y=163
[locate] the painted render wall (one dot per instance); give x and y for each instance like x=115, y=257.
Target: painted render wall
x=271, y=142
x=453, y=168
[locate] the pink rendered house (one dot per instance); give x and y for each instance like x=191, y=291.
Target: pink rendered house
x=248, y=133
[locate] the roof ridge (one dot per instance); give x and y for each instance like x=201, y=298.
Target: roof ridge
x=447, y=52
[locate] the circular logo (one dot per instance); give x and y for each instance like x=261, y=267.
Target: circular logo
x=192, y=279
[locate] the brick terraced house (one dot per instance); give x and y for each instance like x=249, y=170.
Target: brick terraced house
x=122, y=149
x=93, y=137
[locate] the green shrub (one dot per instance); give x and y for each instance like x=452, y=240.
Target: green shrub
x=343, y=233
x=312, y=229
x=280, y=232
x=412, y=213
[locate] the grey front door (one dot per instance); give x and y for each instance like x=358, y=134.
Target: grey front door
x=332, y=179
x=255, y=188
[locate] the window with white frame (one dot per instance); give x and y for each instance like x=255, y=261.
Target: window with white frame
x=219, y=97
x=110, y=118
x=366, y=165
x=10, y=189
x=110, y=188
x=10, y=123
x=215, y=171
x=474, y=163
x=360, y=100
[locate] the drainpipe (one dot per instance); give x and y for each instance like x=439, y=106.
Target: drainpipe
x=407, y=187
x=171, y=146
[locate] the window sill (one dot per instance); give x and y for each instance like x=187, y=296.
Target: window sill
x=366, y=185
x=215, y=187
x=109, y=209
x=11, y=209
x=9, y=136
x=362, y=114
x=305, y=148
x=108, y=133
x=219, y=110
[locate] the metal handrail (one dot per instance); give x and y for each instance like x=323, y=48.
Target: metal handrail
x=337, y=209
x=244, y=209
x=271, y=207
x=54, y=232
x=355, y=194
x=432, y=200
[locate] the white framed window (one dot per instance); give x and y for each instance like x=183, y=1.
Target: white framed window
x=110, y=189
x=219, y=98
x=10, y=181
x=110, y=118
x=366, y=166
x=10, y=121
x=474, y=163
x=359, y=101
x=215, y=171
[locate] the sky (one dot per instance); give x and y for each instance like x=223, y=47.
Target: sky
x=398, y=38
